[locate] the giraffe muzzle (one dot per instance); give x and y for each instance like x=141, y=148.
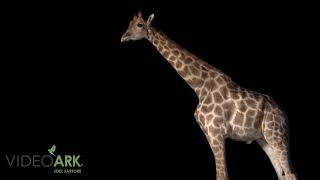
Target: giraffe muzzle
x=125, y=37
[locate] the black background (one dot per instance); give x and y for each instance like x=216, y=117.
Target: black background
x=67, y=80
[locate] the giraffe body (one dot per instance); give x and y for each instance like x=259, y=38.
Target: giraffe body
x=225, y=109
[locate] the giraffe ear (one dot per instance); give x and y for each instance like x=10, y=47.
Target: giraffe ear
x=150, y=19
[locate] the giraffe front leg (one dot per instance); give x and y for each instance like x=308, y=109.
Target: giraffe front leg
x=214, y=129
x=218, y=148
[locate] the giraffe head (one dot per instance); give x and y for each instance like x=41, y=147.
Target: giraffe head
x=138, y=28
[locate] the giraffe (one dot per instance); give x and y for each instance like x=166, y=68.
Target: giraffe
x=225, y=109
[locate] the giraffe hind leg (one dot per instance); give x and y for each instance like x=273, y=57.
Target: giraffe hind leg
x=275, y=132
x=272, y=156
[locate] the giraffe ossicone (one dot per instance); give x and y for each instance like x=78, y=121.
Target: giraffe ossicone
x=225, y=109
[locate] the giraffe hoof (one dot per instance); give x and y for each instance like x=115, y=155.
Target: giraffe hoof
x=291, y=177
x=222, y=178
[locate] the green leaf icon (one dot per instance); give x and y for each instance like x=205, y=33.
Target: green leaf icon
x=52, y=149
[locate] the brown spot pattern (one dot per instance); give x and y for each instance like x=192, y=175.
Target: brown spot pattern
x=211, y=85
x=243, y=94
x=242, y=107
x=238, y=119
x=213, y=74
x=178, y=64
x=175, y=52
x=257, y=123
x=194, y=71
x=217, y=97
x=182, y=56
x=218, y=121
x=229, y=105
x=172, y=58
x=251, y=113
x=209, y=118
x=220, y=80
x=205, y=109
x=208, y=100
x=234, y=95
x=196, y=82
x=203, y=93
x=204, y=74
x=188, y=60
x=218, y=110
x=259, y=116
x=165, y=54
x=156, y=41
x=224, y=92
x=249, y=121
x=197, y=65
x=251, y=103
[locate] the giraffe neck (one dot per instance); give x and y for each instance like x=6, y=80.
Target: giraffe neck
x=193, y=70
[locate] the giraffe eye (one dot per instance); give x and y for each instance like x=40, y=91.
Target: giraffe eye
x=140, y=24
